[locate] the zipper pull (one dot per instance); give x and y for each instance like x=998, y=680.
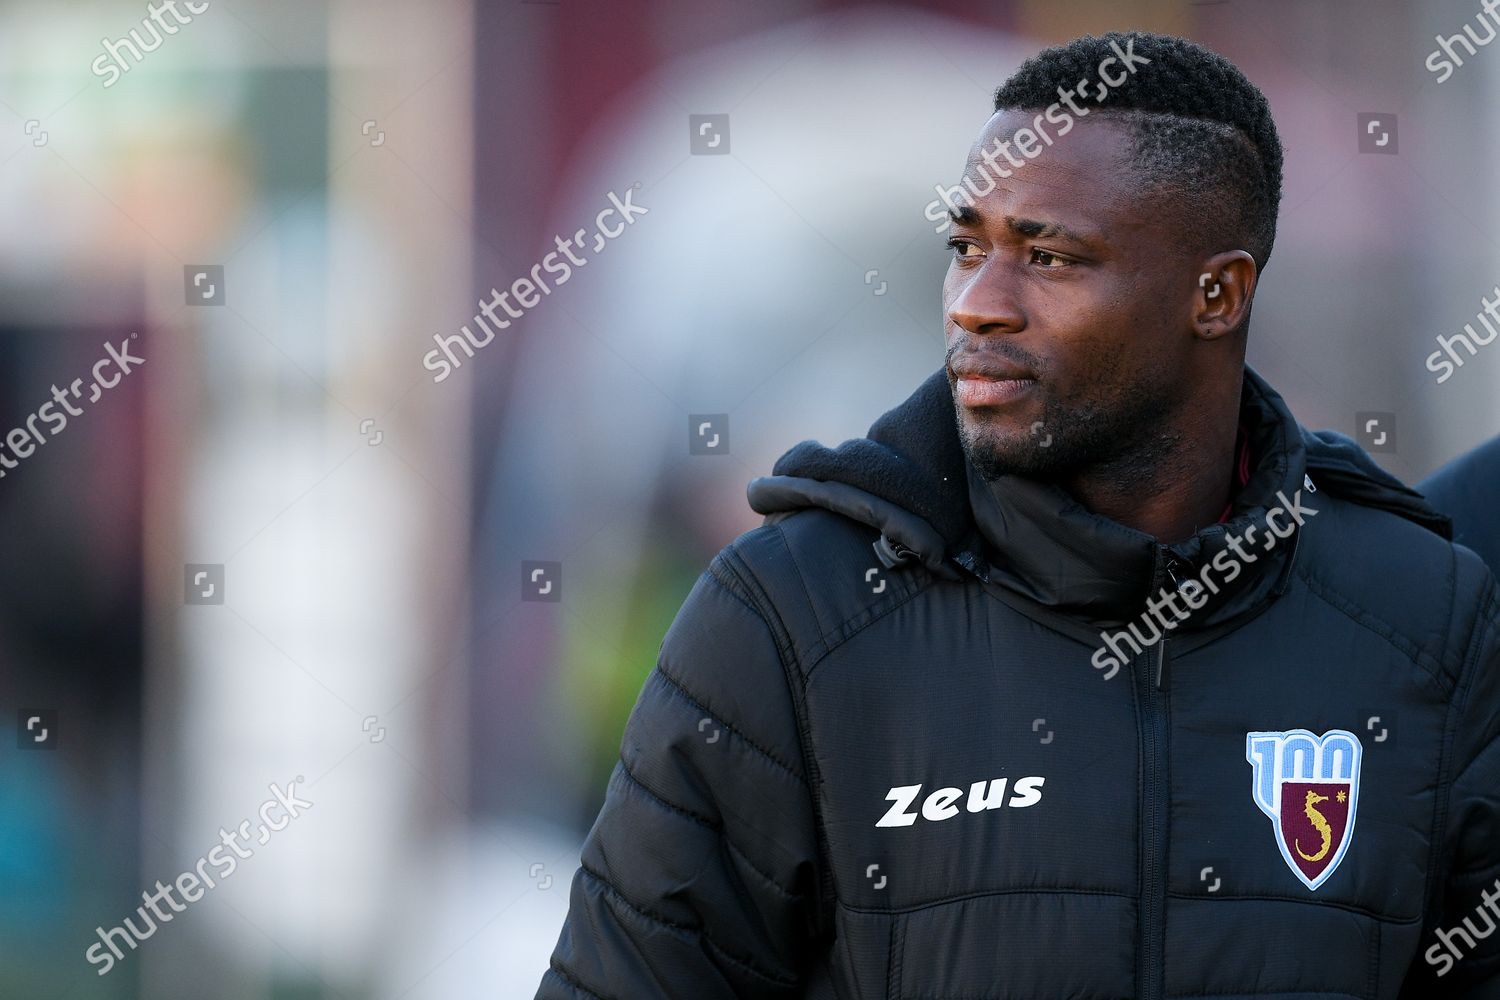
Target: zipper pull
x=1190, y=587
x=891, y=552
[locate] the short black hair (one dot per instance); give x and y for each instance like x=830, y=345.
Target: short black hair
x=1203, y=132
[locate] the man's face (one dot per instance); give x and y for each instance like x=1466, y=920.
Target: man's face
x=1065, y=313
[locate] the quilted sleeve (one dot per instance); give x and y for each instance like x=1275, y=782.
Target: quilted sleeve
x=699, y=879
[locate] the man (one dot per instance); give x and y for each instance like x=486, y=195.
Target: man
x=1468, y=490
x=1142, y=691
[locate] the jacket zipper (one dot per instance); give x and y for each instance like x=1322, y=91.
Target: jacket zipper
x=1151, y=690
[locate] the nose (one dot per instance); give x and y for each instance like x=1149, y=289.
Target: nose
x=985, y=303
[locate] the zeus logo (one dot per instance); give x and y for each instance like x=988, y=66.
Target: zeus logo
x=941, y=804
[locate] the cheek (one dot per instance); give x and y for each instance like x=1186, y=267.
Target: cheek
x=953, y=286
x=1099, y=324
x=1092, y=344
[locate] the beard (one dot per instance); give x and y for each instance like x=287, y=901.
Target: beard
x=1124, y=435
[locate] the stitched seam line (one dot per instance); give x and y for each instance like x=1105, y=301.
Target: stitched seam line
x=701, y=705
x=711, y=824
x=740, y=589
x=905, y=927
x=845, y=633
x=890, y=959
x=576, y=986
x=898, y=941
x=993, y=996
x=1492, y=747
x=745, y=859
x=1441, y=801
x=1270, y=898
x=1482, y=629
x=614, y=894
x=801, y=578
x=1452, y=595
x=1258, y=996
x=795, y=676
x=617, y=894
x=1360, y=617
x=707, y=823
x=775, y=979
x=963, y=897
x=831, y=639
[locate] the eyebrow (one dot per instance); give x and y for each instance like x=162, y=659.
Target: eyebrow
x=965, y=215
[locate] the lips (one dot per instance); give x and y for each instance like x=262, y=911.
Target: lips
x=990, y=384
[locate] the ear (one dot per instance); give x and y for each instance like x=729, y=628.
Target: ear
x=1221, y=303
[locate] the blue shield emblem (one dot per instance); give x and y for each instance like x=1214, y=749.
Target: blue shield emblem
x=1309, y=787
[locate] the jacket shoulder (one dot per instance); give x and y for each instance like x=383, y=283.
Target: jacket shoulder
x=1425, y=594
x=816, y=576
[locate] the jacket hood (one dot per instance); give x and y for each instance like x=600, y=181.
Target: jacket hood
x=909, y=479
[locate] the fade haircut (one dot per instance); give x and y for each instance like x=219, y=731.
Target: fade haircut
x=1203, y=133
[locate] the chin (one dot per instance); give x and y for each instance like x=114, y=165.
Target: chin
x=997, y=452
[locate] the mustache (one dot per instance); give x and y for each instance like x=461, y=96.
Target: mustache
x=1000, y=350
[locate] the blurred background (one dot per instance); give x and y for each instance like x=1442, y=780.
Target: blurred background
x=280, y=549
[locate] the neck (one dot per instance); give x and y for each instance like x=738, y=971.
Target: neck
x=1176, y=481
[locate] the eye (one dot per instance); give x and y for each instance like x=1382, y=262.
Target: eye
x=1047, y=259
x=959, y=246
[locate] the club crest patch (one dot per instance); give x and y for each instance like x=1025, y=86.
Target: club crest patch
x=1309, y=786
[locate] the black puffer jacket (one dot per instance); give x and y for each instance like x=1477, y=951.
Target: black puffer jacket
x=885, y=753
x=1468, y=490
